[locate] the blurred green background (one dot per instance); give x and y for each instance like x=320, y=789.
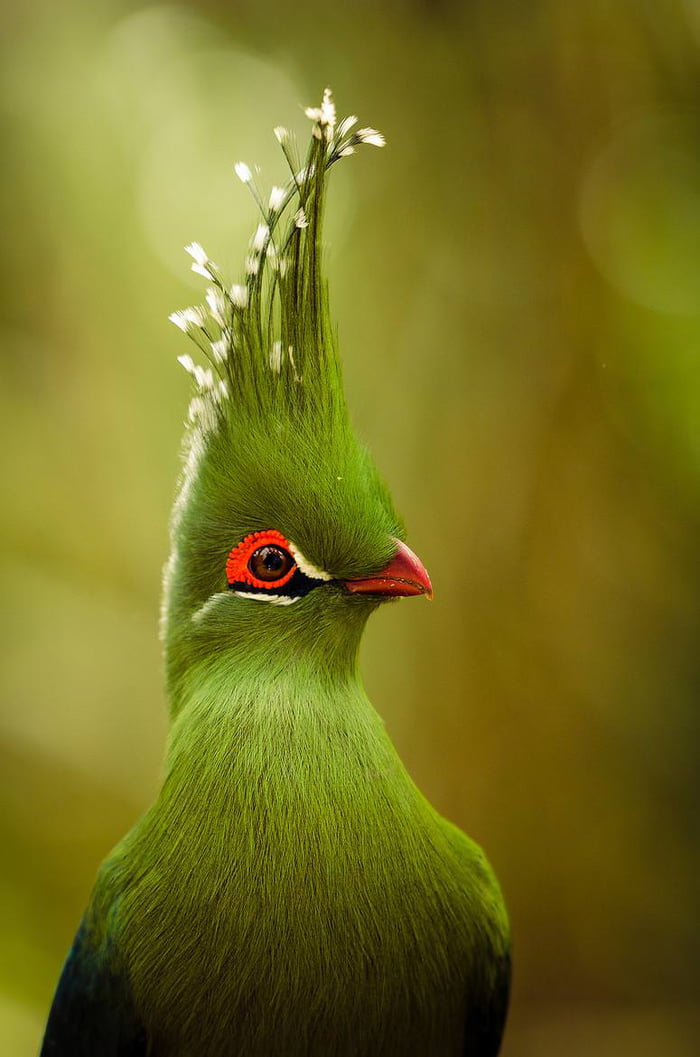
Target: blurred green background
x=516, y=283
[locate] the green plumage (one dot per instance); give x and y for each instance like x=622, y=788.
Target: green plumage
x=290, y=892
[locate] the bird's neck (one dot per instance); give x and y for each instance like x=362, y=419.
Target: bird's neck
x=287, y=732
x=225, y=651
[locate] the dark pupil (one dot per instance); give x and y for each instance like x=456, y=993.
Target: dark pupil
x=270, y=563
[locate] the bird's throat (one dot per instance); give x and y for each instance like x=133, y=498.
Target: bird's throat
x=292, y=733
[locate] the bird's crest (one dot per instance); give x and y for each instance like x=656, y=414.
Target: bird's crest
x=268, y=340
x=269, y=444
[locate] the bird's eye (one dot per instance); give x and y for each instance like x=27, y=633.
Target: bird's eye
x=265, y=565
x=263, y=561
x=270, y=563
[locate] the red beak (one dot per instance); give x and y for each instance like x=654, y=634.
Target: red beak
x=404, y=575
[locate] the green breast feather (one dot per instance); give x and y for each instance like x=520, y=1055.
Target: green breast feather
x=290, y=892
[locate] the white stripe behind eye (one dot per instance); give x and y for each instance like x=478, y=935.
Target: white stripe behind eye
x=306, y=567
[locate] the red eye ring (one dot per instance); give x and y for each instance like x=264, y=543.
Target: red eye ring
x=237, y=571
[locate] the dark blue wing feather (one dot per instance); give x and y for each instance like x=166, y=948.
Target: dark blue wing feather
x=92, y=1013
x=487, y=1013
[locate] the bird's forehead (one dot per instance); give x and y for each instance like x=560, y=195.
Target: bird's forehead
x=324, y=495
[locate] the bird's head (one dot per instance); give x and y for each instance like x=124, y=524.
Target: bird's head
x=284, y=536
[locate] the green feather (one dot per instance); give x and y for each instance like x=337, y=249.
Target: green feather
x=290, y=892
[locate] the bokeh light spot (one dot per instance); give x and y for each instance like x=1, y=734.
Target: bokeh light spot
x=640, y=213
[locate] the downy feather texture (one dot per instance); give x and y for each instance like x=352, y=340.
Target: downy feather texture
x=290, y=892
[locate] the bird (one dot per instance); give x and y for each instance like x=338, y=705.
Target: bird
x=290, y=892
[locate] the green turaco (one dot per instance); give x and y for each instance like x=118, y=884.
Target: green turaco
x=290, y=893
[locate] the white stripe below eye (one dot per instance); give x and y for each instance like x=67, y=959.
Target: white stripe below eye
x=276, y=600
x=306, y=567
x=209, y=606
